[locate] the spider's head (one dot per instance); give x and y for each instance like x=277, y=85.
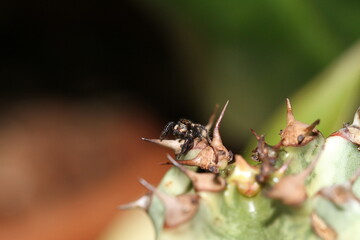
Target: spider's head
x=180, y=128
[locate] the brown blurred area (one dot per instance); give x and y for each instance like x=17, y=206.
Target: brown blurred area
x=81, y=83
x=64, y=166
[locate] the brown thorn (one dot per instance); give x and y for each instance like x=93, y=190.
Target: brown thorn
x=255, y=134
x=143, y=203
x=172, y=144
x=148, y=185
x=310, y=128
x=212, y=118
x=262, y=143
x=290, y=116
x=176, y=164
x=216, y=132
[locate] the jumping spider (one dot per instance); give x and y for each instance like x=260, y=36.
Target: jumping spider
x=185, y=130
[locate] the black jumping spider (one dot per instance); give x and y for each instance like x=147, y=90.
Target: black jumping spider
x=185, y=130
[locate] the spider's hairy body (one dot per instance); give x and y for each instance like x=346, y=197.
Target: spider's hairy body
x=185, y=130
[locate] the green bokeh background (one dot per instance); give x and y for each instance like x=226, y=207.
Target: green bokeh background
x=256, y=54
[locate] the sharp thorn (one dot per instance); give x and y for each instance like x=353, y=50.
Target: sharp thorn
x=255, y=134
x=147, y=185
x=143, y=202
x=310, y=128
x=216, y=132
x=290, y=115
x=173, y=161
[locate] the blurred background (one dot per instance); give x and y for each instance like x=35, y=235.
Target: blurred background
x=82, y=81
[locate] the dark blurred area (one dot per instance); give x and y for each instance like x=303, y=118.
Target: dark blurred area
x=85, y=50
x=82, y=81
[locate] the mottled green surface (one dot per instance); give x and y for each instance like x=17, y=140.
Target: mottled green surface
x=228, y=215
x=337, y=164
x=344, y=219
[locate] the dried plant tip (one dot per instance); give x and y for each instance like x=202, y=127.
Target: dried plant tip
x=212, y=118
x=207, y=182
x=322, y=229
x=178, y=209
x=172, y=144
x=143, y=203
x=265, y=154
x=243, y=177
x=297, y=133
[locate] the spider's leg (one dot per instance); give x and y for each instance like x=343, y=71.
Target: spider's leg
x=167, y=129
x=207, y=135
x=188, y=144
x=208, y=138
x=194, y=133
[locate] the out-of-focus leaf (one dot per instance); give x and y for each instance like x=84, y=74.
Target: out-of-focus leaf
x=332, y=97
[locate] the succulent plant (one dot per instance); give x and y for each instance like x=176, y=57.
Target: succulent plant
x=304, y=187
